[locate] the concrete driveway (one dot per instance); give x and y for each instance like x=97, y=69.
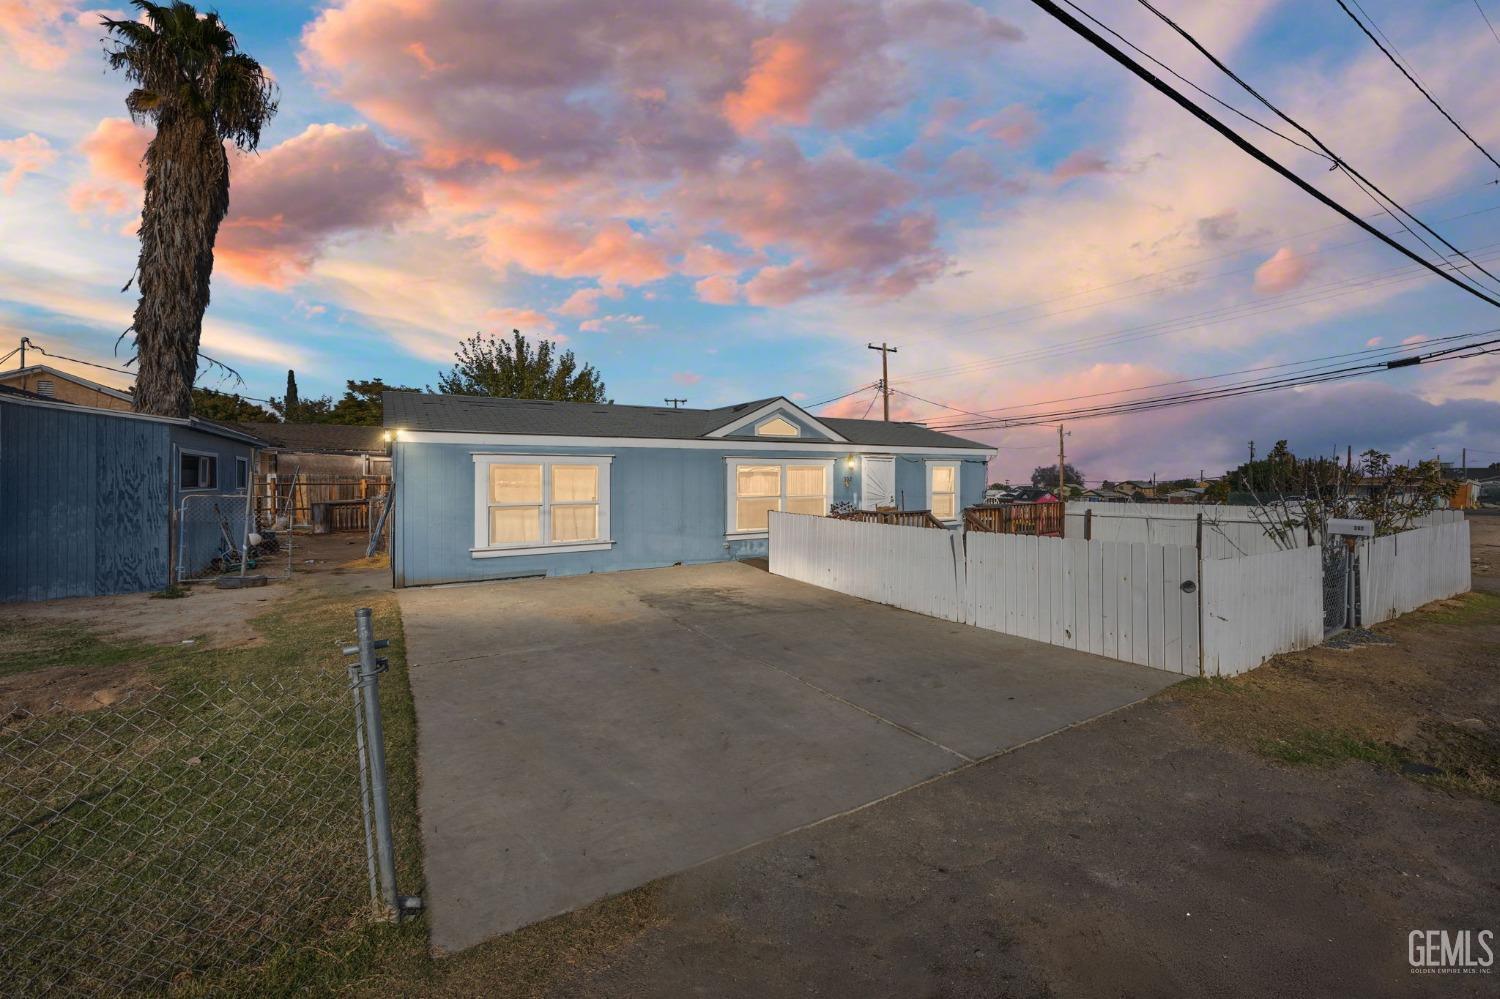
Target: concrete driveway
x=582, y=736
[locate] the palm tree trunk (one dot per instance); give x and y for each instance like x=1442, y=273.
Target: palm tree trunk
x=187, y=196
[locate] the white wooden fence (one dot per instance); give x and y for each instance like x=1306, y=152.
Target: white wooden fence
x=1228, y=531
x=1259, y=606
x=1401, y=572
x=1135, y=602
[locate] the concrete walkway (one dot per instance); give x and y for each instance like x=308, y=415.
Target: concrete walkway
x=582, y=736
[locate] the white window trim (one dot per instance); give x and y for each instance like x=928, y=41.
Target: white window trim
x=197, y=454
x=958, y=488
x=731, y=465
x=483, y=549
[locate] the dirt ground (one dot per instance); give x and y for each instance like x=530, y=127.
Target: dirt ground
x=37, y=670
x=1279, y=834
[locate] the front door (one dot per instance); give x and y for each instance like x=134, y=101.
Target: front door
x=877, y=483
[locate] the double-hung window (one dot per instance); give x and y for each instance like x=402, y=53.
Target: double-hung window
x=942, y=490
x=526, y=503
x=756, y=487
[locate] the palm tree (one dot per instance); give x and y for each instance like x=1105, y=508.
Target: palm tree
x=200, y=91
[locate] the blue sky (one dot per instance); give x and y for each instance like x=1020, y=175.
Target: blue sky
x=725, y=201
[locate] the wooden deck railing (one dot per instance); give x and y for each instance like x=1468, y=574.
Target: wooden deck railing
x=900, y=518
x=1043, y=519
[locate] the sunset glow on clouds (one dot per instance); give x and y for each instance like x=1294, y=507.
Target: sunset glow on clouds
x=727, y=200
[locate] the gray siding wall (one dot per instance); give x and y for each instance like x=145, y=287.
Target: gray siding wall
x=83, y=503
x=200, y=533
x=668, y=505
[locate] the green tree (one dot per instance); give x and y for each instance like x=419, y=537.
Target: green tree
x=513, y=369
x=361, y=405
x=1045, y=476
x=211, y=404
x=200, y=91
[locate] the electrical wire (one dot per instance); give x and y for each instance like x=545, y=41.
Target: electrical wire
x=1247, y=388
x=815, y=405
x=872, y=403
x=1369, y=186
x=1414, y=82
x=1488, y=23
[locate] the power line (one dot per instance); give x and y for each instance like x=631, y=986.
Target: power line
x=1397, y=63
x=866, y=385
x=878, y=394
x=1245, y=388
x=1245, y=146
x=1305, y=362
x=1488, y=23
x=1338, y=161
x=1159, y=328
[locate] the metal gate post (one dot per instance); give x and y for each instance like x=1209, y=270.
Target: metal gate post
x=369, y=671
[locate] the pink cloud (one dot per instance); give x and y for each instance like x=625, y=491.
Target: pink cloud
x=1374, y=341
x=1283, y=271
x=25, y=154
x=585, y=301
x=525, y=320
x=686, y=377
x=718, y=289
x=289, y=202
x=604, y=323
x=1013, y=125
x=1081, y=163
x=36, y=31
x=612, y=252
x=285, y=203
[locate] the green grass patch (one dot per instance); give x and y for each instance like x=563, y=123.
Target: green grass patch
x=27, y=645
x=210, y=825
x=1474, y=608
x=1319, y=748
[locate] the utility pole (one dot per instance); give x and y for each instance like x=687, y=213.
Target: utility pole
x=24, y=342
x=675, y=403
x=885, y=374
x=1062, y=464
x=1252, y=452
x=1466, y=463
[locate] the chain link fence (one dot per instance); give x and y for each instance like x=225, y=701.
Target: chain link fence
x=1338, y=586
x=183, y=831
x=219, y=534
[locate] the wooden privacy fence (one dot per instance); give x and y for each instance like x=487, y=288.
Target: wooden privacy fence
x=1401, y=572
x=898, y=518
x=1133, y=602
x=1037, y=519
x=293, y=497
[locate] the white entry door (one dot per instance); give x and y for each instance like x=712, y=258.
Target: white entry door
x=877, y=483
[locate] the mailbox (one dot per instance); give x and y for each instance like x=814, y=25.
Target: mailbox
x=1349, y=527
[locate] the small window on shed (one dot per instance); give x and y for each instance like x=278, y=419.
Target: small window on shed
x=44, y=386
x=198, y=471
x=776, y=426
x=241, y=472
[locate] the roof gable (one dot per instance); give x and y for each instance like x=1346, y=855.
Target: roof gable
x=778, y=419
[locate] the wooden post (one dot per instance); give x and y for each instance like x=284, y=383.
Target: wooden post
x=1200, y=592
x=1088, y=525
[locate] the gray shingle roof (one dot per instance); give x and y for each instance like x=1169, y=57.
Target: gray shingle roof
x=486, y=415
x=321, y=437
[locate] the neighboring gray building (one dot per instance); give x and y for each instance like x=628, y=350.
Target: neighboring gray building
x=498, y=488
x=86, y=494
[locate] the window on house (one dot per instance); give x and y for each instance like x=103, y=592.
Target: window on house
x=524, y=503
x=241, y=472
x=942, y=489
x=777, y=426
x=758, y=487
x=198, y=471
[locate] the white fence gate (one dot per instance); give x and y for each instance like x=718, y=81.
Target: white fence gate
x=1259, y=606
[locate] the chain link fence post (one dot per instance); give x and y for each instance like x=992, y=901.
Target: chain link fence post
x=370, y=732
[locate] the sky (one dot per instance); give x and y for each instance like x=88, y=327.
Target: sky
x=725, y=201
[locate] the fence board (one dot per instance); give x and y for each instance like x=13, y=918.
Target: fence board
x=1256, y=607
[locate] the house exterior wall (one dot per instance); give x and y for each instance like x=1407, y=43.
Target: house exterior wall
x=199, y=531
x=64, y=390
x=667, y=505
x=83, y=503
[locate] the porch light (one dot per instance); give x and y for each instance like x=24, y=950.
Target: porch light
x=850, y=464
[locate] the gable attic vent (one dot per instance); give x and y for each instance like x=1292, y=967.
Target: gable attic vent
x=45, y=387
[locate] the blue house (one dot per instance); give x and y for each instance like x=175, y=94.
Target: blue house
x=502, y=488
x=87, y=495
